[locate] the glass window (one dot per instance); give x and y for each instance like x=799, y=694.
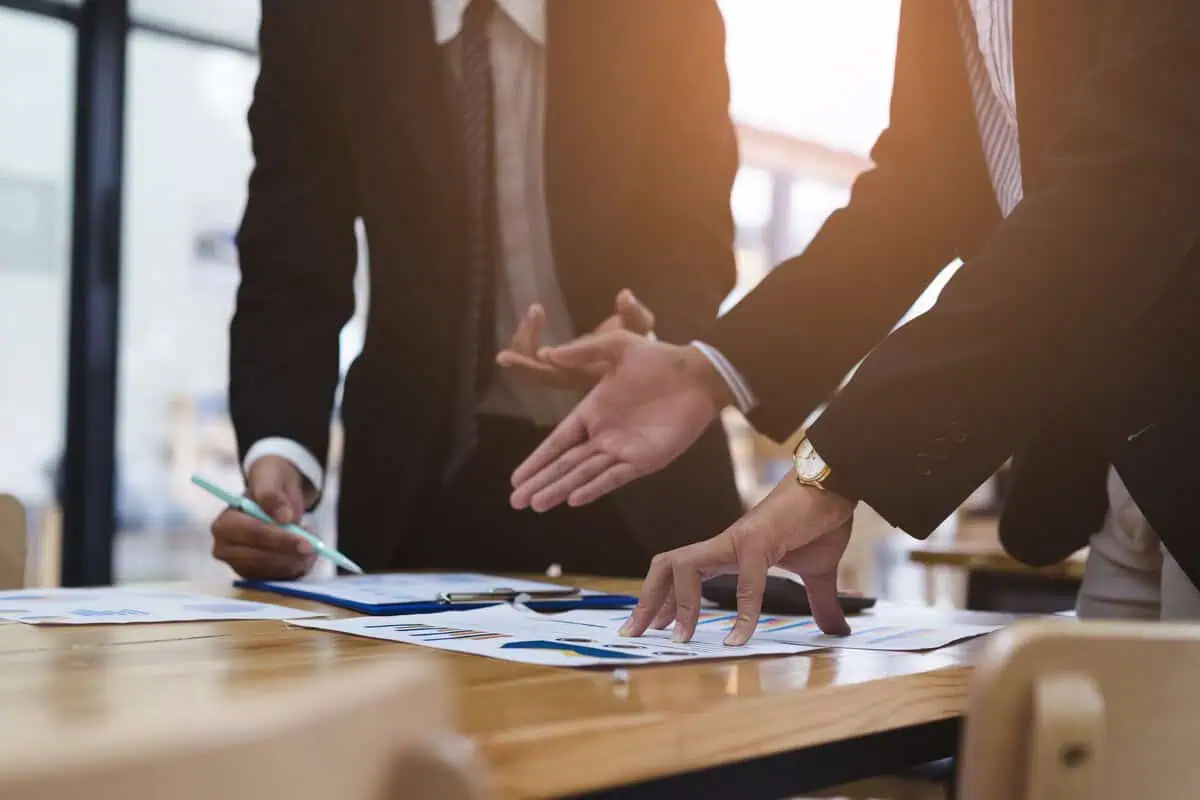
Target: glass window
x=751, y=199
x=818, y=71
x=187, y=161
x=810, y=204
x=37, y=101
x=753, y=264
x=233, y=21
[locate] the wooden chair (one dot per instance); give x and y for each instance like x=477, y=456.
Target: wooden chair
x=13, y=543
x=1064, y=710
x=368, y=734
x=46, y=567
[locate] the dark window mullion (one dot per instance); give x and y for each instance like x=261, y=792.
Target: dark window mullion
x=89, y=482
x=45, y=8
x=193, y=37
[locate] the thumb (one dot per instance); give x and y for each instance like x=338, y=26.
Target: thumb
x=634, y=315
x=278, y=489
x=591, y=350
x=823, y=599
x=281, y=507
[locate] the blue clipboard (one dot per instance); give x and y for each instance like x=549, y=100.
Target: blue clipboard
x=584, y=601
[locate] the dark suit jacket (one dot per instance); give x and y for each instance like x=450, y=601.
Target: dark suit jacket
x=1071, y=336
x=350, y=120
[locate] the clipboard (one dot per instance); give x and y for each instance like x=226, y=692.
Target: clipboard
x=426, y=593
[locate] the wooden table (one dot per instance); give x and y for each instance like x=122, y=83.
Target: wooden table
x=994, y=559
x=998, y=582
x=749, y=728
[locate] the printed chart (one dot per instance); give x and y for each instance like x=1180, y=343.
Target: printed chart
x=125, y=605
x=913, y=629
x=572, y=639
x=589, y=637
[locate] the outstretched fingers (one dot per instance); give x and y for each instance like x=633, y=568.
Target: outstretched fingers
x=612, y=478
x=586, y=468
x=528, y=478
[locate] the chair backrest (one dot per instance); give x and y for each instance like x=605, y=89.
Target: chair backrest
x=13, y=543
x=369, y=734
x=1068, y=710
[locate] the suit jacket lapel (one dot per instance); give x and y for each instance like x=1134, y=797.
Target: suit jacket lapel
x=951, y=108
x=1053, y=44
x=404, y=95
x=589, y=98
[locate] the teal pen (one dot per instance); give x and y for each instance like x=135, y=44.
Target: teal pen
x=248, y=506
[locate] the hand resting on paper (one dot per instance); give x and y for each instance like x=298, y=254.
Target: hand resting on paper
x=802, y=529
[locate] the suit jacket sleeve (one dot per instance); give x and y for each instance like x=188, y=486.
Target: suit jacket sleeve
x=814, y=317
x=1056, y=497
x=297, y=251
x=687, y=171
x=1027, y=324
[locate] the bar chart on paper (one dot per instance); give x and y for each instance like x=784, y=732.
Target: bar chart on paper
x=108, y=605
x=582, y=638
x=909, y=629
x=590, y=637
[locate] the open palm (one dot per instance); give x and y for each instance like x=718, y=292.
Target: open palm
x=651, y=405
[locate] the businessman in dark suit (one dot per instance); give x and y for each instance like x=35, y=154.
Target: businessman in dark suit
x=517, y=164
x=1055, y=147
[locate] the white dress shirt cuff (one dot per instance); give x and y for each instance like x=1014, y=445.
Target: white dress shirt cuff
x=742, y=394
x=295, y=453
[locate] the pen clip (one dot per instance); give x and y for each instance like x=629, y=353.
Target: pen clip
x=506, y=595
x=495, y=595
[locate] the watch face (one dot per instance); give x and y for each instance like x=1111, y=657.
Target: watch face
x=809, y=465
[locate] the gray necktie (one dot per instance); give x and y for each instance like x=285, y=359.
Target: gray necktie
x=998, y=135
x=478, y=139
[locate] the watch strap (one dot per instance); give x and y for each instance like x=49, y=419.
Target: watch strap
x=835, y=482
x=832, y=480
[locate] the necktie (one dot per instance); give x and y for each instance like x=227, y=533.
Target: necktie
x=478, y=140
x=997, y=131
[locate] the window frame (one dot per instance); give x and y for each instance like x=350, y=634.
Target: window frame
x=88, y=493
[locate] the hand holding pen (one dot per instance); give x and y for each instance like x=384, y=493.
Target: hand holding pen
x=258, y=536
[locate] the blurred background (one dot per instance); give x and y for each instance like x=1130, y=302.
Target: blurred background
x=811, y=86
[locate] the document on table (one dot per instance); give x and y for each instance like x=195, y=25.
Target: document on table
x=884, y=629
x=125, y=605
x=401, y=588
x=589, y=637
x=581, y=638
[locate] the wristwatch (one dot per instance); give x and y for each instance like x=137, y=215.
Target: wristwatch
x=811, y=470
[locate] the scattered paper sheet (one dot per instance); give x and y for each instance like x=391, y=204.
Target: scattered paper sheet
x=589, y=637
x=409, y=587
x=904, y=629
x=910, y=629
x=571, y=639
x=108, y=606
